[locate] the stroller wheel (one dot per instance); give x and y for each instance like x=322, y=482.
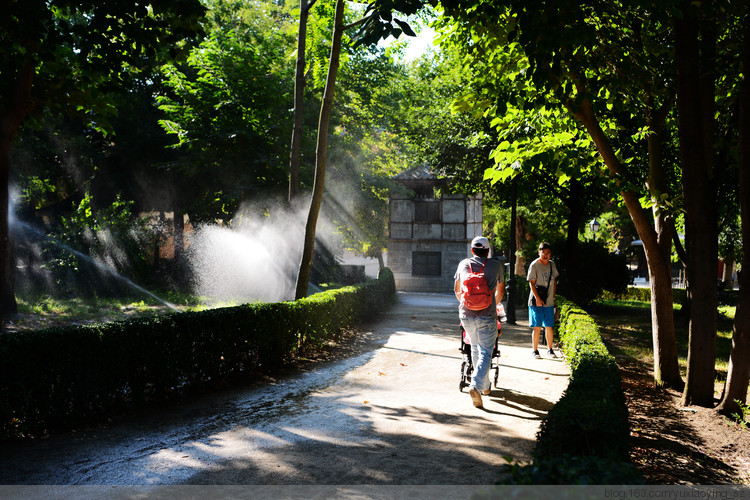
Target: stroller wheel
x=496, y=364
x=463, y=383
x=466, y=370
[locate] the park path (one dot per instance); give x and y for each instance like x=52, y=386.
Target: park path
x=390, y=413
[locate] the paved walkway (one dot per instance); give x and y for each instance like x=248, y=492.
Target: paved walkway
x=389, y=414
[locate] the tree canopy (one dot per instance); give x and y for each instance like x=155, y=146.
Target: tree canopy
x=71, y=54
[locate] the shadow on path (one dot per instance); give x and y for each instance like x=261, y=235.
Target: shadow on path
x=397, y=456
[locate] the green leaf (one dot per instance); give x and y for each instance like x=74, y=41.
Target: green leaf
x=405, y=27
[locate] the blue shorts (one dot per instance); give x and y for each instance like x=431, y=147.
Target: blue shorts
x=541, y=316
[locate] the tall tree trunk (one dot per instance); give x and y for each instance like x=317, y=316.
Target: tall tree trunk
x=158, y=240
x=179, y=235
x=299, y=101
x=700, y=207
x=660, y=275
x=512, y=290
x=14, y=108
x=738, y=373
x=726, y=273
x=7, y=294
x=520, y=236
x=575, y=216
x=9, y=305
x=303, y=277
x=666, y=367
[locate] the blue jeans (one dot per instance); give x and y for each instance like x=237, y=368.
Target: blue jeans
x=482, y=332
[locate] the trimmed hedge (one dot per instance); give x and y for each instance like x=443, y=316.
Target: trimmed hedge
x=589, y=425
x=591, y=418
x=58, y=378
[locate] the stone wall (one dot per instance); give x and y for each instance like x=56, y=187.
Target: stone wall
x=447, y=239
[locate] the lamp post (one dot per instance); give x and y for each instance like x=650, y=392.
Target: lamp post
x=594, y=225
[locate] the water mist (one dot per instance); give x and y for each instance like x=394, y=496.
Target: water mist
x=254, y=260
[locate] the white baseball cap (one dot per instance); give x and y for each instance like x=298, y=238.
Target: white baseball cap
x=480, y=242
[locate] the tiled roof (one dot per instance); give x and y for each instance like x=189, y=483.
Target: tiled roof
x=420, y=173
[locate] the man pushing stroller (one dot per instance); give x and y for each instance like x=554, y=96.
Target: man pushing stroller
x=479, y=286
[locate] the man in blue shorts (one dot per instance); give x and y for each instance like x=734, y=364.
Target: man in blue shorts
x=542, y=278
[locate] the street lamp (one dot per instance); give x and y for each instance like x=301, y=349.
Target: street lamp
x=594, y=225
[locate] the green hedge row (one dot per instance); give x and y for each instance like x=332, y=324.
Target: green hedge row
x=591, y=418
x=584, y=438
x=58, y=378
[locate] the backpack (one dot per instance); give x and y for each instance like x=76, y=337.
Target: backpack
x=475, y=293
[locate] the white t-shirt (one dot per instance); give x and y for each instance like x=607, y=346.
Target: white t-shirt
x=541, y=273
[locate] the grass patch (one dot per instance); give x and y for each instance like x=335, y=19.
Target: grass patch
x=727, y=312
x=626, y=326
x=744, y=415
x=42, y=311
x=629, y=304
x=627, y=332
x=615, y=303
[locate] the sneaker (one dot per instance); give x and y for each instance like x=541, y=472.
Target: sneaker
x=535, y=353
x=476, y=398
x=551, y=353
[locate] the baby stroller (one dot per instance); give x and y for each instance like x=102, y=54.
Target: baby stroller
x=467, y=367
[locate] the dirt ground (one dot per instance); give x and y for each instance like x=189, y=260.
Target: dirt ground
x=672, y=444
